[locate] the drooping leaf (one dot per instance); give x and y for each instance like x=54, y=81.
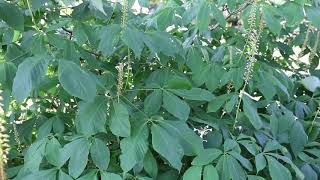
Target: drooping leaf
x=153, y=102
x=76, y=81
x=150, y=165
x=313, y=14
x=311, y=83
x=166, y=146
x=34, y=155
x=293, y=13
x=100, y=154
x=119, y=120
x=29, y=75
x=217, y=103
x=235, y=169
x=109, y=39
x=176, y=106
x=178, y=82
x=218, y=15
x=12, y=15
x=55, y=154
x=277, y=170
x=79, y=157
x=134, y=40
x=203, y=18
x=134, y=148
x=206, y=156
x=193, y=173
x=107, y=176
x=98, y=4
x=251, y=112
x=210, y=172
x=270, y=16
x=298, y=138
x=91, y=117
x=196, y=94
x=187, y=138
x=260, y=161
x=160, y=42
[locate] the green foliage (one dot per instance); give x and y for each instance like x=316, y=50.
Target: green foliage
x=226, y=89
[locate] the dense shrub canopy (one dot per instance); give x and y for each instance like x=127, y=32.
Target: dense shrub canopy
x=201, y=89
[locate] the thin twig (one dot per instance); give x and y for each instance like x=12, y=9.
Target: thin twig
x=232, y=13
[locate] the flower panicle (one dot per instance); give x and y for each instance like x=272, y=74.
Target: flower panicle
x=120, y=68
x=4, y=145
x=252, y=41
x=124, y=17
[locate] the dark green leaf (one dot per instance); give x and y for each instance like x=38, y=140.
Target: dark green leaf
x=178, y=82
x=196, y=94
x=108, y=176
x=176, y=106
x=109, y=39
x=133, y=39
x=218, y=15
x=134, y=148
x=270, y=16
x=210, y=172
x=250, y=111
x=277, y=170
x=76, y=81
x=119, y=120
x=12, y=15
x=188, y=139
x=79, y=157
x=153, y=102
x=100, y=154
x=313, y=14
x=150, y=165
x=167, y=146
x=206, y=156
x=91, y=117
x=261, y=162
x=203, y=18
x=29, y=75
x=193, y=173
x=298, y=138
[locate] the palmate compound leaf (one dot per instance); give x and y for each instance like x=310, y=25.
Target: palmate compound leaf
x=76, y=81
x=134, y=148
x=29, y=75
x=166, y=146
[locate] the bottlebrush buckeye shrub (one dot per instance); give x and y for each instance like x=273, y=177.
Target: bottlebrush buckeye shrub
x=97, y=89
